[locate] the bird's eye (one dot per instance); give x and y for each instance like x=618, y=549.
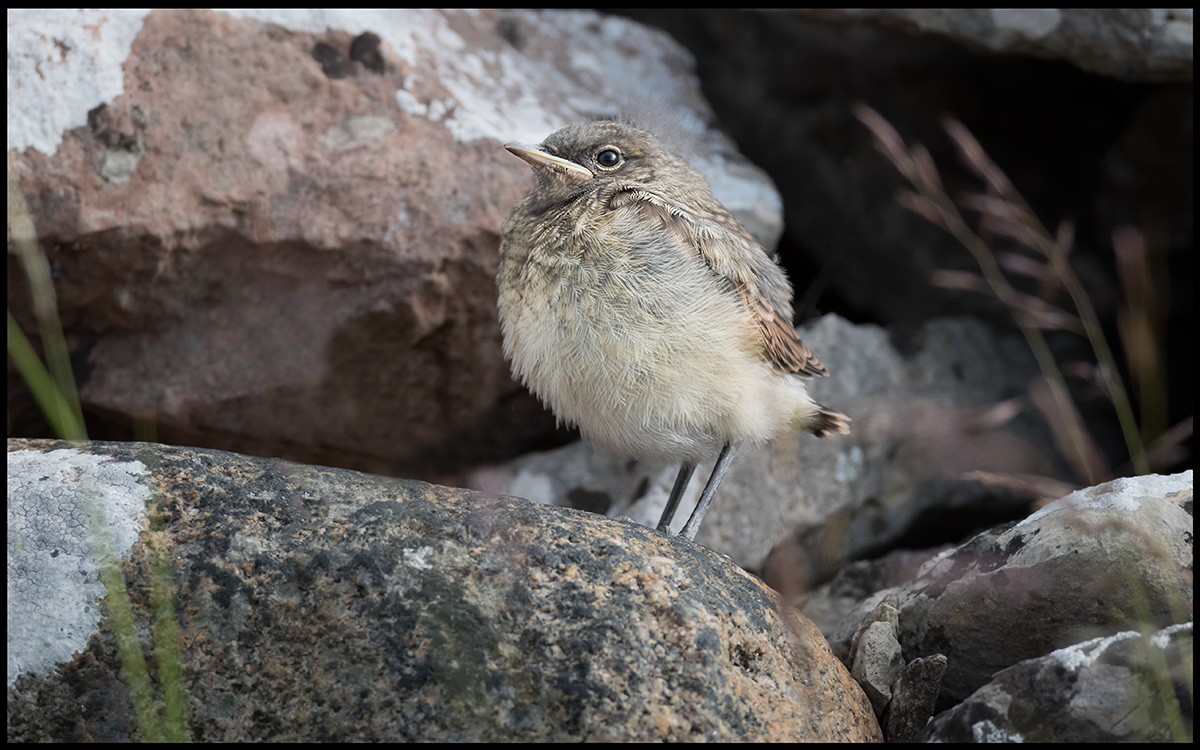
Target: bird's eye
x=608, y=158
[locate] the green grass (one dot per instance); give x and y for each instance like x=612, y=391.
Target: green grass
x=159, y=718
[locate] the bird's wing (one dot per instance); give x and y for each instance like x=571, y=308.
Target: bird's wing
x=734, y=255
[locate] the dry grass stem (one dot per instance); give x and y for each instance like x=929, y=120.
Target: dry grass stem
x=1141, y=324
x=1044, y=489
x=1168, y=448
x=1070, y=433
x=1003, y=212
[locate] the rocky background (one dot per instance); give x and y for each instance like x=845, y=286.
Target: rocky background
x=276, y=233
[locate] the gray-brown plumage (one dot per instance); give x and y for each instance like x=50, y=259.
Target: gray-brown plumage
x=636, y=307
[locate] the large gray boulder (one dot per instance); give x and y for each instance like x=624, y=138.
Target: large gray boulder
x=319, y=604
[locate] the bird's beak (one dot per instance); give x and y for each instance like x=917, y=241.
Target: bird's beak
x=540, y=158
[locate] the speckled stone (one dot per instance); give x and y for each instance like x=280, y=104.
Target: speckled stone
x=1126, y=687
x=322, y=604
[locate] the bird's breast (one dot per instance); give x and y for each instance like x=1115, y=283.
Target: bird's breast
x=625, y=333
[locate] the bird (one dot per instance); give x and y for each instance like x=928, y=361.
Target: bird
x=636, y=307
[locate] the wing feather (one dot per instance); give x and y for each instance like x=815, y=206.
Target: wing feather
x=734, y=255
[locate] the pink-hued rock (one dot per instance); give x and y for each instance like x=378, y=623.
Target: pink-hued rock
x=264, y=244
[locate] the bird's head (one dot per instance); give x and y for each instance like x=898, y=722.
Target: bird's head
x=586, y=157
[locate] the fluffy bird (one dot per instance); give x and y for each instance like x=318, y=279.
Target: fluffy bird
x=635, y=306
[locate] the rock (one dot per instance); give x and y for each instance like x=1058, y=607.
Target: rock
x=318, y=604
x=914, y=697
x=1147, y=44
x=902, y=695
x=875, y=655
x=271, y=234
x=834, y=603
x=1126, y=687
x=1096, y=562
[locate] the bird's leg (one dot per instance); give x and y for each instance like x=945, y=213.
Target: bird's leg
x=681, y=483
x=710, y=489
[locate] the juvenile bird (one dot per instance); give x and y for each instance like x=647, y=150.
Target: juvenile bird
x=636, y=307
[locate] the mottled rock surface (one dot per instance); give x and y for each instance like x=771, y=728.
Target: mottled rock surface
x=1132, y=43
x=1096, y=562
x=1128, y=687
x=322, y=604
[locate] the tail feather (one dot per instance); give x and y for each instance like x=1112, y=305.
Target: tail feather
x=828, y=422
